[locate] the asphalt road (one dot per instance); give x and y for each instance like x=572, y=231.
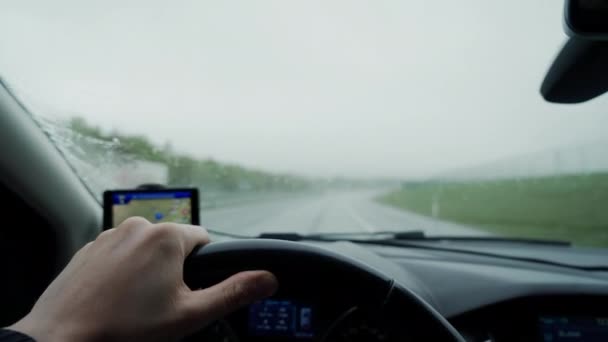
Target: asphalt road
x=329, y=212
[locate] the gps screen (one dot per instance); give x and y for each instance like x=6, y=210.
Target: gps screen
x=155, y=206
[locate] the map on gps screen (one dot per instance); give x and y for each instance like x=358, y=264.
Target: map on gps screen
x=154, y=207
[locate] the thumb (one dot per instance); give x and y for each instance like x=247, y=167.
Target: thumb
x=212, y=303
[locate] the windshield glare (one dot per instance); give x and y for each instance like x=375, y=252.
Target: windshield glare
x=318, y=117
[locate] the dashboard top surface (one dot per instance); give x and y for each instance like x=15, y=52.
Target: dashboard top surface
x=456, y=283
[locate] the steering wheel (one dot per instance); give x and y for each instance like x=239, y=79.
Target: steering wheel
x=306, y=271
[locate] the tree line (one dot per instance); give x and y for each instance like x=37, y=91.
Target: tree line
x=185, y=170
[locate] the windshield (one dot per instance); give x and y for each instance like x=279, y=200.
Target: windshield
x=320, y=116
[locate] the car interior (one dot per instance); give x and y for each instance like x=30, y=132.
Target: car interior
x=338, y=289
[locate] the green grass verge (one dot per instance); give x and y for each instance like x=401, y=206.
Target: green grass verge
x=573, y=208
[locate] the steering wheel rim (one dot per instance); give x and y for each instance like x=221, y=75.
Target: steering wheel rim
x=209, y=264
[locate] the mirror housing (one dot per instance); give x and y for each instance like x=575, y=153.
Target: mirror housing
x=578, y=74
x=586, y=19
x=580, y=71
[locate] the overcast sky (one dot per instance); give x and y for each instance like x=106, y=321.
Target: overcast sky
x=356, y=88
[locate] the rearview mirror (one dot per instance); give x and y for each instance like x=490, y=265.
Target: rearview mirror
x=587, y=19
x=580, y=71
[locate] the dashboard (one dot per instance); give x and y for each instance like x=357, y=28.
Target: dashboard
x=540, y=318
x=484, y=298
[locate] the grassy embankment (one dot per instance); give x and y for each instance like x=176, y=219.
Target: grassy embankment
x=572, y=208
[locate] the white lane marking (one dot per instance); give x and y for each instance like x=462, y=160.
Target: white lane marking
x=362, y=222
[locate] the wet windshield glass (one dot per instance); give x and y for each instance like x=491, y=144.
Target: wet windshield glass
x=320, y=116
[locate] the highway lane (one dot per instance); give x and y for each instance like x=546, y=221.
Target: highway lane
x=343, y=211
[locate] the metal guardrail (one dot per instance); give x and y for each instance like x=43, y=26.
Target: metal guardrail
x=581, y=159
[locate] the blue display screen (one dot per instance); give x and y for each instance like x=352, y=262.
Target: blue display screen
x=176, y=206
x=281, y=318
x=586, y=329
x=126, y=197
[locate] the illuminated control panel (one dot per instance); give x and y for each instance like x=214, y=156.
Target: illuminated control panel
x=281, y=318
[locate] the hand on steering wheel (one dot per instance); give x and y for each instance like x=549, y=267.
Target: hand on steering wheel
x=128, y=285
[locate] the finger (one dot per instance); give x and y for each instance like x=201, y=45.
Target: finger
x=206, y=305
x=128, y=229
x=82, y=251
x=84, y=248
x=194, y=236
x=188, y=235
x=133, y=222
x=108, y=231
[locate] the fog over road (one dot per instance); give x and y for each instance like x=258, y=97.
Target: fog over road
x=337, y=211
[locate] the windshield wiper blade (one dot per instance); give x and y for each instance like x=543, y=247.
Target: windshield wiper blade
x=490, y=238
x=416, y=242
x=388, y=236
x=286, y=236
x=408, y=235
x=378, y=235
